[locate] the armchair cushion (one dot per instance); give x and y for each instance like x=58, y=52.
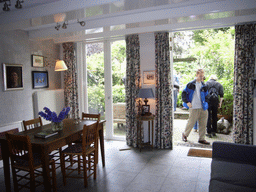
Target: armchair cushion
x=233, y=167
x=219, y=186
x=234, y=173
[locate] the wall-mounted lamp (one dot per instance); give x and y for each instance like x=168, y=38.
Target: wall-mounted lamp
x=82, y=23
x=64, y=26
x=6, y=5
x=57, y=27
x=18, y=4
x=60, y=66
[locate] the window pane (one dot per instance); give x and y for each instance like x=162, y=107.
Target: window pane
x=118, y=59
x=95, y=78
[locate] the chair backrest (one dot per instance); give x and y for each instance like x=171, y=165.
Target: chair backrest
x=20, y=150
x=90, y=116
x=2, y=134
x=33, y=123
x=90, y=136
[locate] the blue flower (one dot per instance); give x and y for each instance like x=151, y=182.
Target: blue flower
x=52, y=116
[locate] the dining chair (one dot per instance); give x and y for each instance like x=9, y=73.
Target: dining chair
x=88, y=116
x=84, y=154
x=33, y=123
x=11, y=131
x=37, y=122
x=26, y=164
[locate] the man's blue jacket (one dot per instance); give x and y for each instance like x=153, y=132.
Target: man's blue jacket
x=188, y=92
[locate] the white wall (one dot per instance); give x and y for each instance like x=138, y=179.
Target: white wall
x=15, y=48
x=147, y=63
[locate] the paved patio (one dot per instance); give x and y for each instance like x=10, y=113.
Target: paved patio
x=179, y=127
x=180, y=121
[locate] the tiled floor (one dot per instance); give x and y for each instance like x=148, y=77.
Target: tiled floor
x=131, y=170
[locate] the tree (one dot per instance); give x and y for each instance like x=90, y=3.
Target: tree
x=214, y=50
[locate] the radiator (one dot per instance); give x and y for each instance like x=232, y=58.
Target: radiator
x=53, y=99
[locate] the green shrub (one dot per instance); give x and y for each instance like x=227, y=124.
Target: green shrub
x=227, y=104
x=179, y=100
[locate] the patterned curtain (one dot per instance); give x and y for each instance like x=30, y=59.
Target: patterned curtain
x=163, y=129
x=70, y=80
x=243, y=83
x=132, y=87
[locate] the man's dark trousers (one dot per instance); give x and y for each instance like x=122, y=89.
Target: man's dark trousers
x=212, y=119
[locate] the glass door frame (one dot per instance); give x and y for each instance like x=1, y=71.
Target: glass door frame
x=82, y=83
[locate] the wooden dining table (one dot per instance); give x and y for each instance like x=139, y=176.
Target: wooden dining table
x=71, y=132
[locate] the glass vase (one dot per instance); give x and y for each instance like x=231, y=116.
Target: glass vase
x=57, y=126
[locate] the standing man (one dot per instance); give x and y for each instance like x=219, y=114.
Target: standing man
x=193, y=97
x=215, y=90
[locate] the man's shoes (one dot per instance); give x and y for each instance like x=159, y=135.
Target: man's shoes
x=209, y=135
x=213, y=134
x=184, y=138
x=204, y=142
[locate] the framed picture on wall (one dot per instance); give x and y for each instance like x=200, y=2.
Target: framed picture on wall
x=40, y=79
x=149, y=77
x=37, y=61
x=13, y=79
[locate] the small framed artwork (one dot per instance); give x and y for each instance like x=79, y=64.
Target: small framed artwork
x=37, y=61
x=40, y=79
x=149, y=77
x=13, y=79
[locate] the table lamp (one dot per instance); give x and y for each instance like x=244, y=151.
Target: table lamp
x=146, y=93
x=60, y=66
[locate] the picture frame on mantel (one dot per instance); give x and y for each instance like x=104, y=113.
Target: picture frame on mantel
x=37, y=60
x=40, y=79
x=148, y=77
x=13, y=77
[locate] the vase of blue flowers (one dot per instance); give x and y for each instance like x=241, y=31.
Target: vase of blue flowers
x=57, y=126
x=56, y=120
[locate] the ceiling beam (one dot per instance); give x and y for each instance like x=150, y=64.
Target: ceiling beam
x=60, y=6
x=216, y=23
x=128, y=18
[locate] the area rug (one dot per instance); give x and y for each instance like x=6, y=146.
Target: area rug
x=200, y=153
x=192, y=144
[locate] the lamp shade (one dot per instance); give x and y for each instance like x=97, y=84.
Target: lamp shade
x=146, y=93
x=60, y=65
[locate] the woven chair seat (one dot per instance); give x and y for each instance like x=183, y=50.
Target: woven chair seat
x=23, y=161
x=77, y=148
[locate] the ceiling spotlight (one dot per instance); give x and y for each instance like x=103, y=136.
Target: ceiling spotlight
x=57, y=27
x=6, y=6
x=82, y=23
x=64, y=26
x=18, y=4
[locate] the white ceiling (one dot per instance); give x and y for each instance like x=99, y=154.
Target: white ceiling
x=39, y=17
